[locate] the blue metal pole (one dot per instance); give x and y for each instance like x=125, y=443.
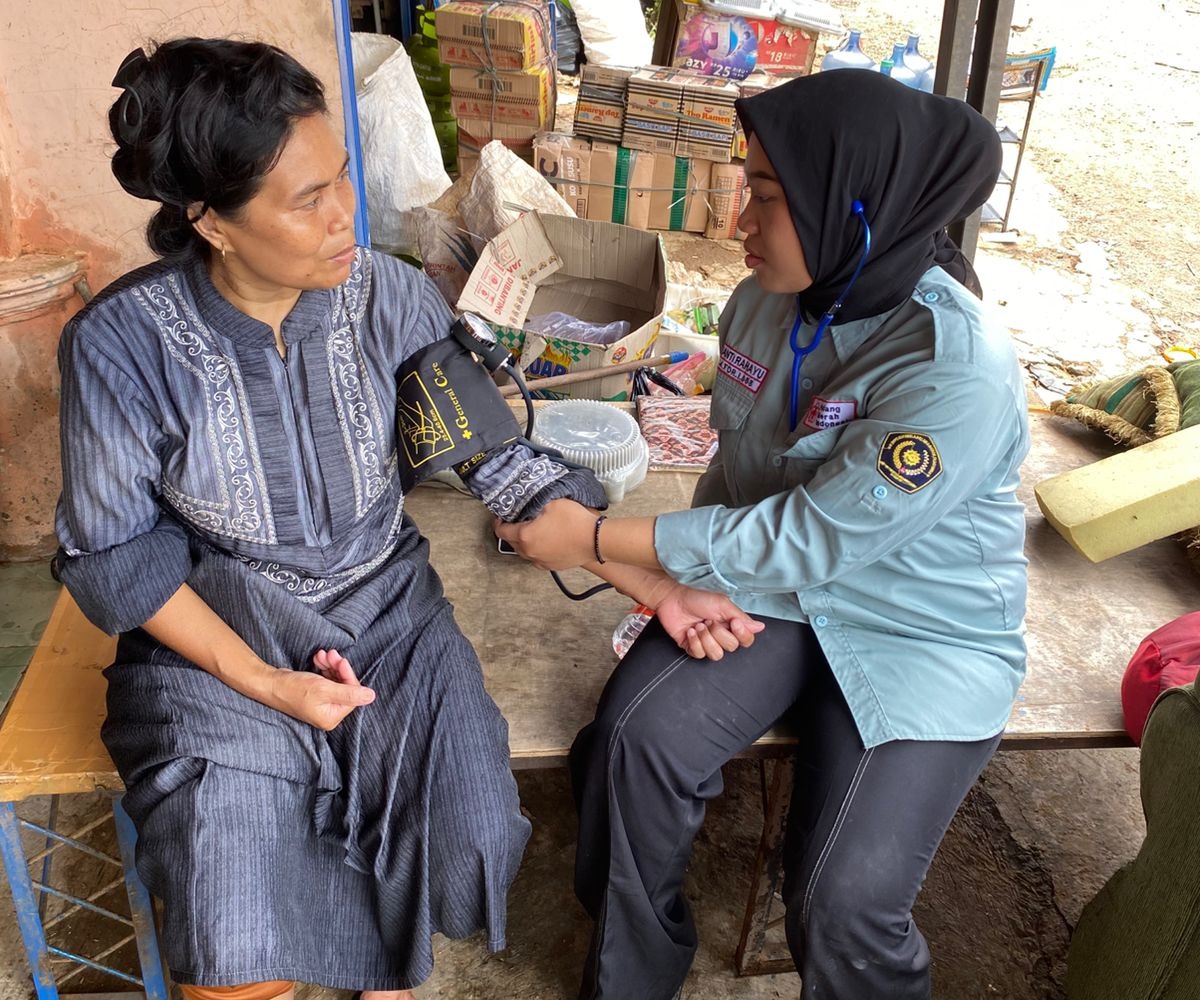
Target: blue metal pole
x=341, y=39
x=153, y=982
x=407, y=21
x=26, y=903
x=48, y=862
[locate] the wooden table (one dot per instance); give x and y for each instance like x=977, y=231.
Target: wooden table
x=546, y=658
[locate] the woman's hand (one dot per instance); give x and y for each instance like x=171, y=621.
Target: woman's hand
x=560, y=537
x=703, y=624
x=322, y=699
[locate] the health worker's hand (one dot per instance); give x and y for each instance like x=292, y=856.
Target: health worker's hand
x=321, y=699
x=705, y=625
x=560, y=537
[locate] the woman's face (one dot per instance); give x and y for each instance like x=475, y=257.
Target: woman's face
x=298, y=231
x=773, y=250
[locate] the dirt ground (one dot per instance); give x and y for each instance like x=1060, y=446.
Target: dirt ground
x=1097, y=275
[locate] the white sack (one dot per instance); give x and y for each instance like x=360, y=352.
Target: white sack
x=503, y=188
x=402, y=163
x=614, y=32
x=368, y=52
x=447, y=253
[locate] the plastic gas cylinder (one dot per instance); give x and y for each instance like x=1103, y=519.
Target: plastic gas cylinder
x=849, y=56
x=900, y=69
x=434, y=80
x=918, y=64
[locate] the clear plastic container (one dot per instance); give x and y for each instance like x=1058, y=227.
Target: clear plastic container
x=918, y=64
x=630, y=628
x=599, y=436
x=849, y=56
x=900, y=69
x=811, y=14
x=741, y=8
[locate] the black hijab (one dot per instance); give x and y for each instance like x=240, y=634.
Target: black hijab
x=916, y=161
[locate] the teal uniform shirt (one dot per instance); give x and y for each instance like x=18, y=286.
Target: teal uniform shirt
x=888, y=519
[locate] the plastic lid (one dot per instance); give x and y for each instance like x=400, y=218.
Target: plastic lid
x=596, y=435
x=810, y=14
x=741, y=8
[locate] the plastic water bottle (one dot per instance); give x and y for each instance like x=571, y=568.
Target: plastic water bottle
x=885, y=67
x=630, y=628
x=918, y=64
x=849, y=56
x=901, y=70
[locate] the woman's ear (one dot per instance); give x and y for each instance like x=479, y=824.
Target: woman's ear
x=209, y=225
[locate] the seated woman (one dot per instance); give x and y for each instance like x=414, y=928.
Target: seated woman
x=232, y=506
x=871, y=425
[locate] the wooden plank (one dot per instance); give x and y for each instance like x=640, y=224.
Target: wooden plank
x=50, y=737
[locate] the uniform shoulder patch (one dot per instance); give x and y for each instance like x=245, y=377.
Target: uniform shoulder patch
x=909, y=461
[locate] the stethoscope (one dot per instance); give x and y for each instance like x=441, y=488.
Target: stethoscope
x=800, y=353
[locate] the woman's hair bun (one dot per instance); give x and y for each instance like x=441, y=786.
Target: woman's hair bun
x=201, y=121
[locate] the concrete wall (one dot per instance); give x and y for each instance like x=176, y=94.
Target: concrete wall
x=61, y=210
x=57, y=58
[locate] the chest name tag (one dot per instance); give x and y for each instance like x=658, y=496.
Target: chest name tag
x=909, y=461
x=742, y=369
x=823, y=413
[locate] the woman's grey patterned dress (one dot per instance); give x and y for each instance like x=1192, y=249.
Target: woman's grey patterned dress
x=193, y=452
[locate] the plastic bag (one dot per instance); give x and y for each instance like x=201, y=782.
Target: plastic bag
x=570, y=46
x=402, y=163
x=565, y=327
x=447, y=253
x=614, y=32
x=503, y=188
x=692, y=375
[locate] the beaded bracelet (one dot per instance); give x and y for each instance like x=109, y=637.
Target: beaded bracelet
x=596, y=538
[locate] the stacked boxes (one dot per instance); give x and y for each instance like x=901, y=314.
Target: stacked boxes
x=600, y=110
x=653, y=102
x=502, y=73
x=707, y=121
x=684, y=114
x=608, y=183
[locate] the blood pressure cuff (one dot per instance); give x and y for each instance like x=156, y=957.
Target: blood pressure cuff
x=449, y=414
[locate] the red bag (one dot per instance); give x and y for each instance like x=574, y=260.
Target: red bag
x=1168, y=657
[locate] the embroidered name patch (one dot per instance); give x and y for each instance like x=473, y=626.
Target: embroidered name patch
x=909, y=461
x=742, y=369
x=823, y=413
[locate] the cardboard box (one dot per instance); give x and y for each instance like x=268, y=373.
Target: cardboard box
x=566, y=162
x=732, y=47
x=518, y=35
x=675, y=199
x=597, y=271
x=631, y=187
x=474, y=134
x=728, y=182
x=511, y=98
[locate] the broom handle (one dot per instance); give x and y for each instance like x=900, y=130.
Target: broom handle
x=553, y=381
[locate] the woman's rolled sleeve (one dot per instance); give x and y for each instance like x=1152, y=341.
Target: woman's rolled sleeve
x=516, y=483
x=120, y=588
x=121, y=557
x=683, y=544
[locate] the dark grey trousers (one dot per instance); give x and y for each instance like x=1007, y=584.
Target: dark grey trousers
x=863, y=828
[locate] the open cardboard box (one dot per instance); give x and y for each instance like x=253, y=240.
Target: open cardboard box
x=596, y=271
